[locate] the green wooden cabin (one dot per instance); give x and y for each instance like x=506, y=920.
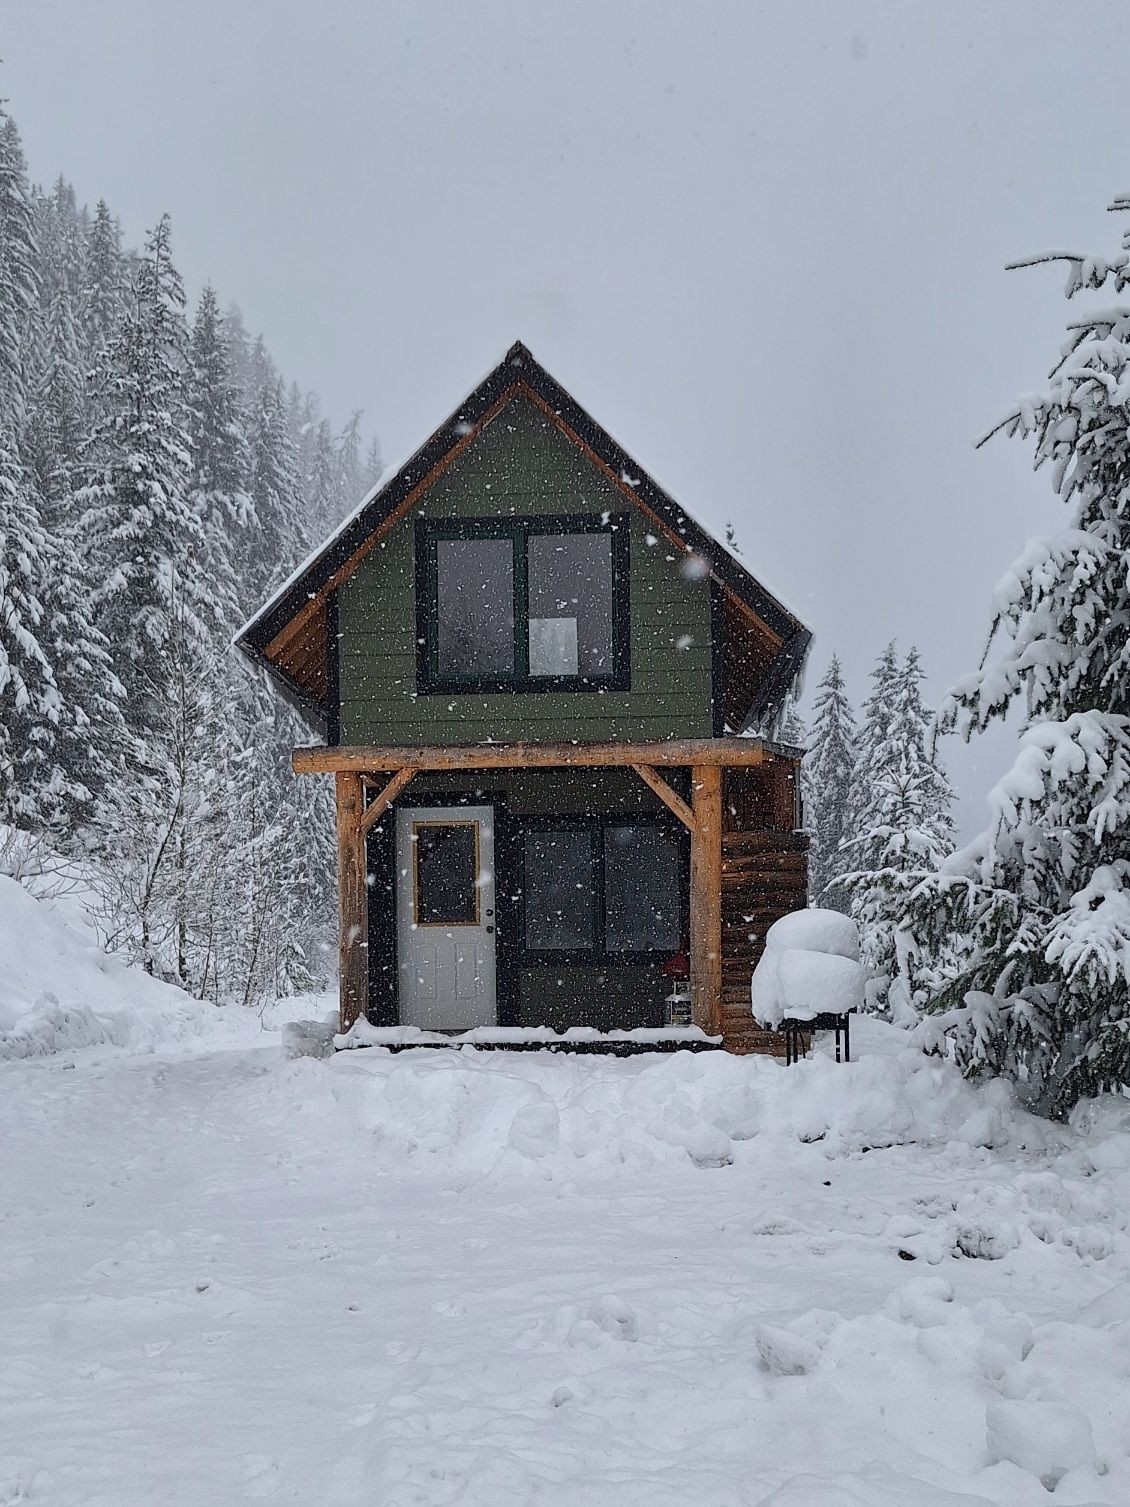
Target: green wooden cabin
x=532, y=669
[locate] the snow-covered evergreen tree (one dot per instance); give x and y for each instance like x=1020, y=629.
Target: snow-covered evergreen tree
x=371, y=470
x=830, y=791
x=903, y=831
x=275, y=491
x=105, y=287
x=19, y=274
x=1041, y=900
x=56, y=408
x=220, y=493
x=30, y=704
x=138, y=522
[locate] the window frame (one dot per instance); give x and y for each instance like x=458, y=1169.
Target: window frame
x=431, y=532
x=417, y=827
x=599, y=954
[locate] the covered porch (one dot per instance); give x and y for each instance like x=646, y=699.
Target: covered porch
x=554, y=885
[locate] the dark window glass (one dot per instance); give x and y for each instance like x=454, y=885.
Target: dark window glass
x=570, y=604
x=475, y=629
x=642, y=899
x=447, y=873
x=558, y=891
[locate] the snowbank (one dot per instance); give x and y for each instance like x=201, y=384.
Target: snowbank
x=484, y=1110
x=61, y=992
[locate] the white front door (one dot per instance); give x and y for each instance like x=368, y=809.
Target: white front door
x=445, y=916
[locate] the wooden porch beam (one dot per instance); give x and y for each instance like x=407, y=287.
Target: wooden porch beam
x=380, y=804
x=718, y=753
x=352, y=901
x=670, y=798
x=706, y=899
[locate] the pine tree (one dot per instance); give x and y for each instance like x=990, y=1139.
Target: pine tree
x=104, y=284
x=138, y=523
x=275, y=492
x=350, y=469
x=830, y=789
x=19, y=274
x=904, y=831
x=56, y=418
x=322, y=482
x=30, y=704
x=220, y=496
x=371, y=470
x=1041, y=900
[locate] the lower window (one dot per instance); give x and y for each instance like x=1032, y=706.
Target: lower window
x=597, y=889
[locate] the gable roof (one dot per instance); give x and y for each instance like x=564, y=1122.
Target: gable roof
x=763, y=644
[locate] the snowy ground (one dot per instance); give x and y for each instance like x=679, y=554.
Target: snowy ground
x=497, y=1279
x=492, y=1279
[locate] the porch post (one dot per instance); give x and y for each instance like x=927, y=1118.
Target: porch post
x=706, y=898
x=352, y=900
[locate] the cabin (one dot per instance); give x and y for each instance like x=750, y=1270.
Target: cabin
x=534, y=673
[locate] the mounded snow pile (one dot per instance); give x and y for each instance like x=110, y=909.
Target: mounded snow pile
x=1047, y=1439
x=550, y=1114
x=810, y=967
x=61, y=992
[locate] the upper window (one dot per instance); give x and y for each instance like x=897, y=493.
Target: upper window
x=535, y=604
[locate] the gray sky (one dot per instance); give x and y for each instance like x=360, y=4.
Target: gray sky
x=763, y=243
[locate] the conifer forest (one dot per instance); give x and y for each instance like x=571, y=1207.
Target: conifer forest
x=159, y=476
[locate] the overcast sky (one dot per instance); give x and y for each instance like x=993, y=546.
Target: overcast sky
x=763, y=243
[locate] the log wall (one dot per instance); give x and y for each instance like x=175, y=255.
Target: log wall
x=764, y=876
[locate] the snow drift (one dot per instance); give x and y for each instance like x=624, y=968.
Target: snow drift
x=485, y=1111
x=61, y=992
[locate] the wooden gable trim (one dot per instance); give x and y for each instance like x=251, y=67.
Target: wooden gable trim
x=277, y=646
x=288, y=636
x=633, y=494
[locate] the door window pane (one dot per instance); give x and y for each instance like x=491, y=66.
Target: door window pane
x=558, y=891
x=447, y=872
x=475, y=584
x=570, y=604
x=642, y=893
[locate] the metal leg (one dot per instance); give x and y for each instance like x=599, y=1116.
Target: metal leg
x=847, y=1038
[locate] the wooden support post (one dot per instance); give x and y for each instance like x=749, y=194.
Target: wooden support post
x=706, y=898
x=352, y=901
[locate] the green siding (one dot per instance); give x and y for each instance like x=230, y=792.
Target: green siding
x=522, y=466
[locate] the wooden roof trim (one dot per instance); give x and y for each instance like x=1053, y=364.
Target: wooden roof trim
x=633, y=495
x=269, y=635
x=318, y=600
